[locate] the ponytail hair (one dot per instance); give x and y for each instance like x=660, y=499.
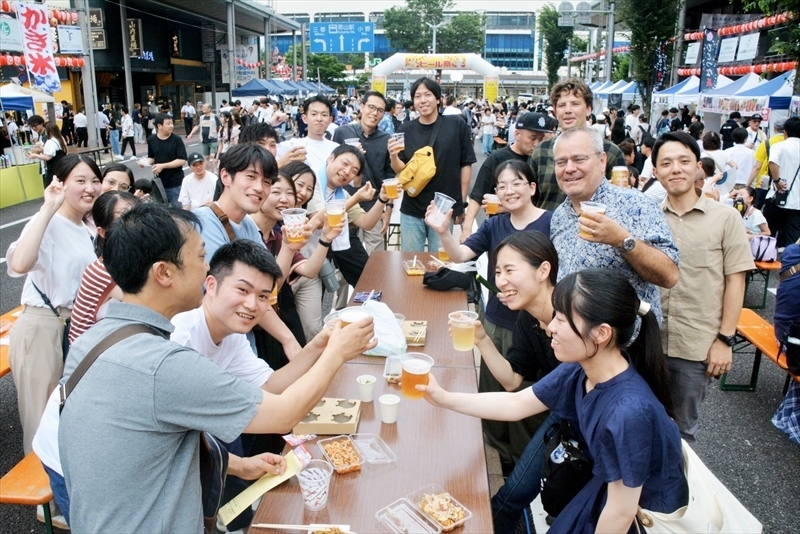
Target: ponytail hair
x=605, y=296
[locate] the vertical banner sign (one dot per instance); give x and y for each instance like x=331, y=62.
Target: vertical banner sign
x=490, y=88
x=38, y=47
x=135, y=36
x=660, y=69
x=708, y=61
x=379, y=84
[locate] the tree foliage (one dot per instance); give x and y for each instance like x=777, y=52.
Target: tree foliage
x=622, y=64
x=651, y=22
x=791, y=46
x=464, y=34
x=556, y=42
x=331, y=70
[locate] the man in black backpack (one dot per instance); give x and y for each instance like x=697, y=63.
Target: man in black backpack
x=727, y=129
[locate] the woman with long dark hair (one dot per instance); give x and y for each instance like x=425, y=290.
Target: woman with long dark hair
x=614, y=391
x=54, y=149
x=54, y=249
x=618, y=131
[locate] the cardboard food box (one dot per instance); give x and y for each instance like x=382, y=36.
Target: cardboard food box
x=331, y=416
x=415, y=332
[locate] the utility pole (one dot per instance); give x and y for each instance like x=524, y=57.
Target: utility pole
x=126, y=55
x=87, y=72
x=231, y=47
x=294, y=55
x=434, y=27
x=305, y=51
x=676, y=56
x=610, y=41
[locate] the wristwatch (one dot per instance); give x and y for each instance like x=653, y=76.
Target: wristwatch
x=728, y=340
x=628, y=244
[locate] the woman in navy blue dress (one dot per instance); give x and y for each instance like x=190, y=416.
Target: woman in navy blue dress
x=613, y=391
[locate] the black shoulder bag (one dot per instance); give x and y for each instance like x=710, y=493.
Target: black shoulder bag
x=66, y=322
x=213, y=456
x=566, y=470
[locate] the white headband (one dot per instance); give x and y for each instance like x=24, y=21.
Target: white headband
x=644, y=307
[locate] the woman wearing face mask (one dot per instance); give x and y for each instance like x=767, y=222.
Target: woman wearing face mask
x=754, y=221
x=283, y=196
x=615, y=393
x=515, y=185
x=53, y=250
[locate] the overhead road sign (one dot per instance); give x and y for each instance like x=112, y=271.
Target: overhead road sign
x=342, y=37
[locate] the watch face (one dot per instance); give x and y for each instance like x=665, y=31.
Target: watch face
x=629, y=243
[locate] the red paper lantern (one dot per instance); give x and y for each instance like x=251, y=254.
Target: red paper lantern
x=57, y=61
x=73, y=17
x=2, y=60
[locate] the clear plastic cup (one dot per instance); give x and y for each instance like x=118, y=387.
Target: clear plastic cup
x=592, y=207
x=492, y=204
x=401, y=138
x=354, y=141
x=293, y=221
x=391, y=185
x=315, y=480
x=416, y=367
x=352, y=314
x=442, y=204
x=462, y=325
x=335, y=212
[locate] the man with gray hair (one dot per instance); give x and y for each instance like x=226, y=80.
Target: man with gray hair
x=624, y=230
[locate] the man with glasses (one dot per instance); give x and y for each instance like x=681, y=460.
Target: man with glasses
x=572, y=100
x=755, y=135
x=630, y=234
x=378, y=165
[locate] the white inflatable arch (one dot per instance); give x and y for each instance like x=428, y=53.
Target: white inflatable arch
x=438, y=61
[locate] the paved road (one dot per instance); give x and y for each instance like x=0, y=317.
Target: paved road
x=758, y=463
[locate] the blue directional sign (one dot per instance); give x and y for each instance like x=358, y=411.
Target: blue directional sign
x=342, y=37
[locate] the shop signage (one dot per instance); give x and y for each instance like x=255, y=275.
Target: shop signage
x=147, y=56
x=10, y=36
x=207, y=42
x=38, y=47
x=727, y=104
x=135, y=37
x=98, y=39
x=70, y=40
x=692, y=51
x=748, y=47
x=727, y=50
x=175, y=43
x=436, y=61
x=96, y=18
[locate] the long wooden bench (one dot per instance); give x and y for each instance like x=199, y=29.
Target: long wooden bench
x=499, y=142
x=763, y=271
x=752, y=329
x=28, y=484
x=6, y=321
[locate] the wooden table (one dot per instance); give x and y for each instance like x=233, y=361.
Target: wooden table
x=406, y=294
x=432, y=446
x=7, y=320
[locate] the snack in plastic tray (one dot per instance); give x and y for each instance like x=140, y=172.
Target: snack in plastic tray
x=342, y=453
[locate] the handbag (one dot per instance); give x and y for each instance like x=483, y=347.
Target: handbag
x=66, y=322
x=790, y=345
x=764, y=248
x=567, y=468
x=711, y=508
x=421, y=169
x=781, y=197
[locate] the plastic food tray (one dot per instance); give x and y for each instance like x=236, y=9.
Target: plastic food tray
x=413, y=268
x=402, y=517
x=416, y=498
x=342, y=469
x=373, y=448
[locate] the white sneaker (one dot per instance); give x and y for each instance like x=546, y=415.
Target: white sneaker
x=119, y=158
x=58, y=520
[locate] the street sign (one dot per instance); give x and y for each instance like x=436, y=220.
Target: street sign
x=565, y=15
x=342, y=37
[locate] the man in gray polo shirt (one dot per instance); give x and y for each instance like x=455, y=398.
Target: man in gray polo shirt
x=129, y=433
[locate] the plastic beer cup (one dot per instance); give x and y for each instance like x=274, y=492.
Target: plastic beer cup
x=593, y=207
x=352, y=315
x=462, y=326
x=335, y=211
x=416, y=367
x=391, y=185
x=293, y=221
x=492, y=203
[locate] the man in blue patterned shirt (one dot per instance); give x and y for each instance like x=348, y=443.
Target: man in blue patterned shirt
x=632, y=236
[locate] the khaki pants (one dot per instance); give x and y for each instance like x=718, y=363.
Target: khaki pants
x=373, y=239
x=308, y=302
x=34, y=353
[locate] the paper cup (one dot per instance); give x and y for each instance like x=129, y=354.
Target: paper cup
x=390, y=405
x=352, y=314
x=366, y=387
x=315, y=480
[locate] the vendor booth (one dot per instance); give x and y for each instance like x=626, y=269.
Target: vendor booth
x=773, y=98
x=685, y=93
x=22, y=180
x=717, y=104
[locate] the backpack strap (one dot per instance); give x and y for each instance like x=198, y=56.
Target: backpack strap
x=223, y=218
x=89, y=359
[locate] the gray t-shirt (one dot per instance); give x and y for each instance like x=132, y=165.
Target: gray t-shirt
x=129, y=433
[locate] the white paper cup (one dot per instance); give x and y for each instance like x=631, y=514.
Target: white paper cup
x=366, y=387
x=315, y=480
x=390, y=405
x=354, y=141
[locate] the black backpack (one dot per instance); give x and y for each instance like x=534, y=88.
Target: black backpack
x=645, y=135
x=566, y=470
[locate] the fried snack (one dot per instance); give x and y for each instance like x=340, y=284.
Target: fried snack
x=442, y=509
x=330, y=530
x=343, y=456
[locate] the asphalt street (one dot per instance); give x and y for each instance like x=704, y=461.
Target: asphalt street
x=737, y=441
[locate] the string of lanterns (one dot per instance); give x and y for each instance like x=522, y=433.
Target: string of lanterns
x=740, y=70
x=744, y=28
x=243, y=63
x=57, y=17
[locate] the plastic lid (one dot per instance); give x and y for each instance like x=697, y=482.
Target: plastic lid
x=373, y=448
x=403, y=517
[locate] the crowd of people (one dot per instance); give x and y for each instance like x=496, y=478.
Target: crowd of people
x=614, y=320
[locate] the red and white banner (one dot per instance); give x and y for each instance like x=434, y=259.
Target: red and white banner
x=38, y=46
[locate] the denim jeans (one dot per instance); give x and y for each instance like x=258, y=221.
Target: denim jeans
x=488, y=141
x=414, y=232
x=172, y=195
x=524, y=483
x=114, y=136
x=59, y=488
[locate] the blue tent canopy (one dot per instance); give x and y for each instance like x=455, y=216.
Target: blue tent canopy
x=679, y=86
x=595, y=90
x=16, y=103
x=745, y=82
x=254, y=87
x=779, y=86
x=611, y=89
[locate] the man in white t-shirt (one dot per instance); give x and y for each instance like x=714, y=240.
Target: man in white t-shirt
x=784, y=168
x=198, y=186
x=755, y=135
x=742, y=155
x=188, y=112
x=318, y=113
x=632, y=120
x=450, y=106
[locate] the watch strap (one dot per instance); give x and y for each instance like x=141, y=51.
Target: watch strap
x=728, y=340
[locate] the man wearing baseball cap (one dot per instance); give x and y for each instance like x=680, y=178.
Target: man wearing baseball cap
x=198, y=186
x=530, y=130
x=727, y=129
x=759, y=175
x=755, y=135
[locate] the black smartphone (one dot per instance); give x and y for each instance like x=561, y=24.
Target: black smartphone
x=487, y=284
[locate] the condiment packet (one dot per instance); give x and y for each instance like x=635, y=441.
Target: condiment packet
x=296, y=439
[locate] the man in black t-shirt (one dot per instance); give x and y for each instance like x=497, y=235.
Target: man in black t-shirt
x=727, y=129
x=531, y=128
x=167, y=155
x=453, y=154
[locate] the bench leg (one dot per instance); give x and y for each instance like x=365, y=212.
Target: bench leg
x=753, y=377
x=48, y=520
